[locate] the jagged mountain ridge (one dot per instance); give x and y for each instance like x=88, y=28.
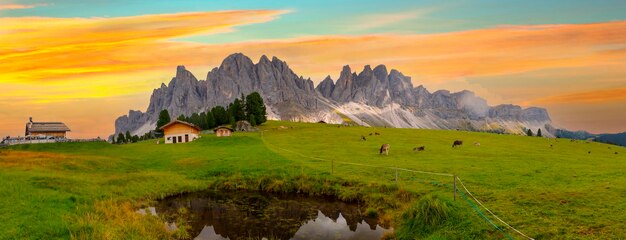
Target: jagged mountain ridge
x=373, y=97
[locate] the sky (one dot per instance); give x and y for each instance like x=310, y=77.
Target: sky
x=86, y=62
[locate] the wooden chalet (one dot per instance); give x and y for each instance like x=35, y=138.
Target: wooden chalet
x=180, y=132
x=46, y=129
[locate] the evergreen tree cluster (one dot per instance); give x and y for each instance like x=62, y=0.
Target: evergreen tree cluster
x=530, y=133
x=127, y=138
x=250, y=108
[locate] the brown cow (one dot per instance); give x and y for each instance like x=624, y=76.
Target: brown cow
x=457, y=143
x=384, y=148
x=419, y=149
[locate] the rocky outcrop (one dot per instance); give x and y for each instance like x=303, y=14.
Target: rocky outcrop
x=376, y=97
x=287, y=96
x=513, y=112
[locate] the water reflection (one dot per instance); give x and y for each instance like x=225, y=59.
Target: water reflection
x=326, y=228
x=218, y=216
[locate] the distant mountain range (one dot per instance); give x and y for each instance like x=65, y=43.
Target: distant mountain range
x=611, y=138
x=373, y=97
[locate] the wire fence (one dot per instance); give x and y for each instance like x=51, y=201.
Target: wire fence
x=463, y=192
x=36, y=140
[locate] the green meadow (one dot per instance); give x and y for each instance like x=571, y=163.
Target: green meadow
x=546, y=188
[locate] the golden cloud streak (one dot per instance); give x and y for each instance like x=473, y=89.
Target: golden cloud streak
x=35, y=48
x=597, y=96
x=19, y=6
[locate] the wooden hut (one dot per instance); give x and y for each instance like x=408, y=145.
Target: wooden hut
x=46, y=129
x=223, y=131
x=180, y=132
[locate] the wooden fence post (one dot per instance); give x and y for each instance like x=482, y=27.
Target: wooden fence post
x=396, y=175
x=454, y=186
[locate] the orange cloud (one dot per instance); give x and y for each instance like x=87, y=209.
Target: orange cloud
x=19, y=6
x=440, y=57
x=40, y=49
x=35, y=48
x=598, y=96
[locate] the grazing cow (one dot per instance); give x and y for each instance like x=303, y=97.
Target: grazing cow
x=589, y=152
x=477, y=144
x=384, y=148
x=419, y=149
x=457, y=143
x=550, y=145
x=371, y=134
x=376, y=133
x=363, y=138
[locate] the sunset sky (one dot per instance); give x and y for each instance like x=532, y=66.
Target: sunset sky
x=87, y=62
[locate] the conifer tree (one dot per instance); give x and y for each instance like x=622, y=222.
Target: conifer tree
x=120, y=138
x=539, y=132
x=164, y=118
x=220, y=115
x=256, y=108
x=210, y=120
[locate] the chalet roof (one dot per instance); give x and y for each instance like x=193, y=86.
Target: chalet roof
x=47, y=127
x=181, y=122
x=225, y=127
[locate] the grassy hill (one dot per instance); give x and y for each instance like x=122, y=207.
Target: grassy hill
x=547, y=188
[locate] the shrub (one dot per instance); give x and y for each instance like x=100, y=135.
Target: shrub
x=425, y=217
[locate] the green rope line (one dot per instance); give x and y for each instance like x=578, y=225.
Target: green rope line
x=483, y=215
x=469, y=201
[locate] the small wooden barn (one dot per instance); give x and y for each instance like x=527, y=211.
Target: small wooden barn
x=46, y=129
x=223, y=131
x=180, y=132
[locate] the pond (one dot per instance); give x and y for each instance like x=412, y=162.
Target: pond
x=254, y=215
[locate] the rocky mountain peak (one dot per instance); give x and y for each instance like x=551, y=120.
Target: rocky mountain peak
x=372, y=97
x=367, y=68
x=235, y=63
x=345, y=71
x=264, y=60
x=380, y=72
x=326, y=87
x=182, y=75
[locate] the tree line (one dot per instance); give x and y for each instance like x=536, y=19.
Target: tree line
x=250, y=108
x=127, y=138
x=530, y=133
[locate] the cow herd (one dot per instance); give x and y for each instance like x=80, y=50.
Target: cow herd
x=384, y=149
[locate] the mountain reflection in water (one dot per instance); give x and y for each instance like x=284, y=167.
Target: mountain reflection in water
x=320, y=228
x=253, y=215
